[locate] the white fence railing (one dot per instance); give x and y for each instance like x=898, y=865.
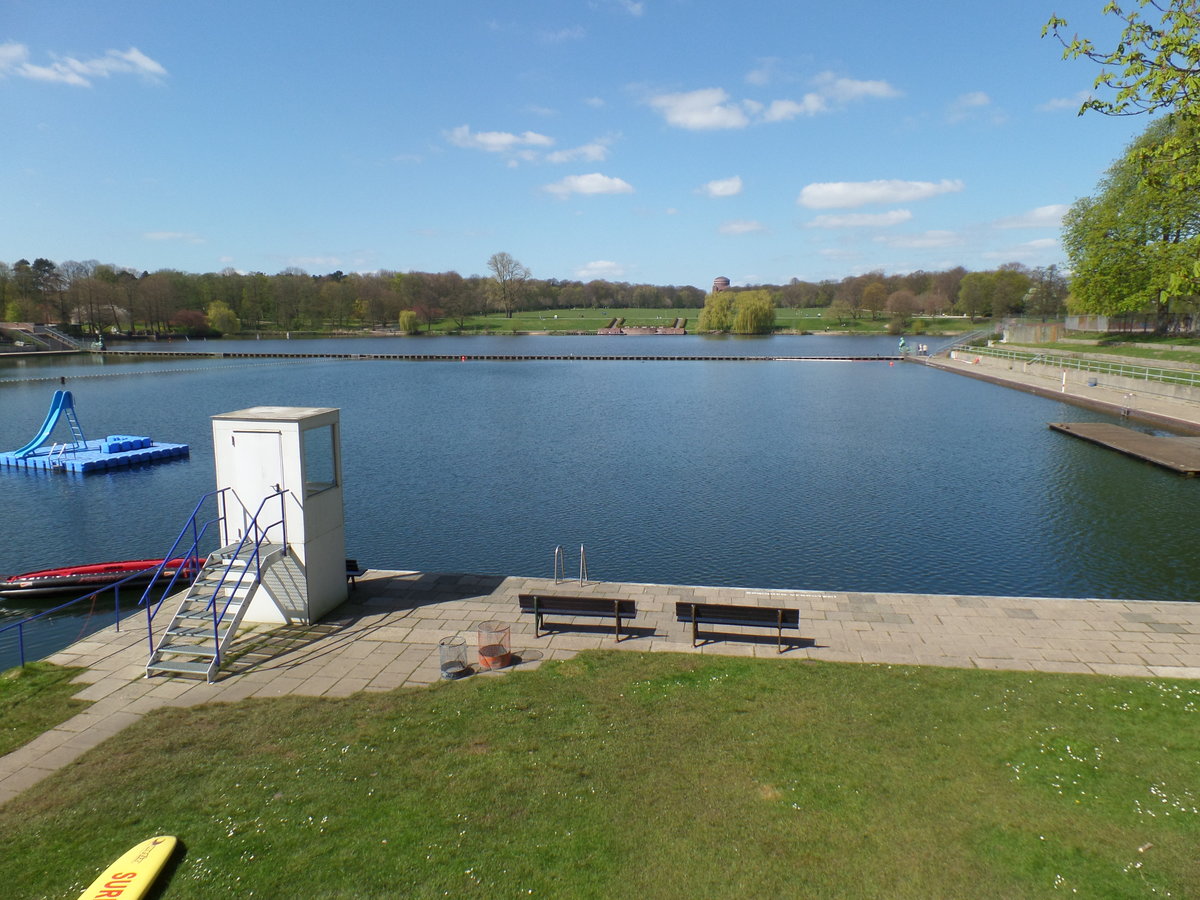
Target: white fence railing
x=1101, y=367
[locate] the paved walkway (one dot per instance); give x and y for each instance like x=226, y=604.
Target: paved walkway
x=387, y=636
x=1147, y=403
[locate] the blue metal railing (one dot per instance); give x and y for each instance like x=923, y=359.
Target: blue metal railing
x=163, y=582
x=198, y=527
x=188, y=570
x=256, y=535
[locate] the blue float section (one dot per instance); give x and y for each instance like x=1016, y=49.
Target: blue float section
x=117, y=451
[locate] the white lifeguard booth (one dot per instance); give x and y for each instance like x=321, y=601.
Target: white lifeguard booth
x=265, y=449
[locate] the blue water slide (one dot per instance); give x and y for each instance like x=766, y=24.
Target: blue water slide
x=63, y=403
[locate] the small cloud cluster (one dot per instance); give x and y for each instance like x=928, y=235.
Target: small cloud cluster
x=1039, y=217
x=710, y=109
x=528, y=146
x=722, y=187
x=600, y=269
x=15, y=60
x=850, y=194
x=742, y=226
x=594, y=183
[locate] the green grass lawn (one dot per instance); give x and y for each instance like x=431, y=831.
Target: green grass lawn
x=815, y=320
x=35, y=699
x=648, y=775
x=1145, y=354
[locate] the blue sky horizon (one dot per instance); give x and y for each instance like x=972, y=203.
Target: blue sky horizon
x=648, y=141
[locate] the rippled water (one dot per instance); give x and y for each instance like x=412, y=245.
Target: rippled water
x=818, y=475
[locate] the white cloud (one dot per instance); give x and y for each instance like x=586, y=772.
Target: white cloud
x=185, y=236
x=783, y=110
x=702, y=110
x=1072, y=103
x=924, y=241
x=1039, y=217
x=595, y=102
x=849, y=194
x=562, y=35
x=971, y=105
x=742, y=226
x=14, y=60
x=12, y=55
x=765, y=72
x=596, y=151
x=713, y=108
x=845, y=90
x=635, y=9
x=600, y=268
x=723, y=187
x=594, y=183
x=862, y=220
x=496, y=141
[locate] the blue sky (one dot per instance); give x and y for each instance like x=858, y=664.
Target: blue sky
x=659, y=141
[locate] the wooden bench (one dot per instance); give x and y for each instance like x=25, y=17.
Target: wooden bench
x=728, y=614
x=541, y=605
x=353, y=571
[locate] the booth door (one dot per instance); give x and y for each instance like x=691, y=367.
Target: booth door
x=257, y=474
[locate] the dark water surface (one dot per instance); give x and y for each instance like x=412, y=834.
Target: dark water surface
x=854, y=476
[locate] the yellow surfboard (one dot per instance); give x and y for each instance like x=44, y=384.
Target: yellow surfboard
x=131, y=876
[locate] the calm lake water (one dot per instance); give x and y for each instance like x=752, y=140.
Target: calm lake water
x=854, y=476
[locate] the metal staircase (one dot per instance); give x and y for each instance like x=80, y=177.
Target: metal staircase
x=207, y=618
x=206, y=621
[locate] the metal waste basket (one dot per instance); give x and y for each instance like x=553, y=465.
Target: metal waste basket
x=452, y=657
x=494, y=638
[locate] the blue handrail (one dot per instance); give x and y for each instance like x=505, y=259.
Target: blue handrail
x=199, y=531
x=260, y=537
x=115, y=587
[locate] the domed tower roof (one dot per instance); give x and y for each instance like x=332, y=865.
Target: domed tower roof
x=720, y=283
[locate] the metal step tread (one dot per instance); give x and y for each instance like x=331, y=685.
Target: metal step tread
x=190, y=668
x=188, y=650
x=174, y=630
x=205, y=613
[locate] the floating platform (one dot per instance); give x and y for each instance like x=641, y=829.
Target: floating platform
x=1179, y=454
x=114, y=452
x=117, y=451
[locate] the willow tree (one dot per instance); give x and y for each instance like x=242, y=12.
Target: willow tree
x=717, y=314
x=753, y=313
x=1135, y=244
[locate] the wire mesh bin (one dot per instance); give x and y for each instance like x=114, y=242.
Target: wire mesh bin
x=494, y=645
x=452, y=657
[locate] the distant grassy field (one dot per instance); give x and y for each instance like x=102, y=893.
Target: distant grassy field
x=816, y=320
x=648, y=775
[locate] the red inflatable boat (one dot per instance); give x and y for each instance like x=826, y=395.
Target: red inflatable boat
x=81, y=579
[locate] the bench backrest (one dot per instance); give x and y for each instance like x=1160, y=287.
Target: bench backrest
x=577, y=606
x=729, y=614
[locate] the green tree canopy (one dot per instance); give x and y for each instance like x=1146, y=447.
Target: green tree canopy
x=717, y=314
x=221, y=318
x=754, y=312
x=1153, y=67
x=1136, y=243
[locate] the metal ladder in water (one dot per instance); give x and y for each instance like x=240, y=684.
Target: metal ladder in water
x=560, y=566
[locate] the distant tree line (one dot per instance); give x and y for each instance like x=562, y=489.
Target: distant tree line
x=99, y=297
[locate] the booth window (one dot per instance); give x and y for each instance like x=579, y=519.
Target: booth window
x=320, y=464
